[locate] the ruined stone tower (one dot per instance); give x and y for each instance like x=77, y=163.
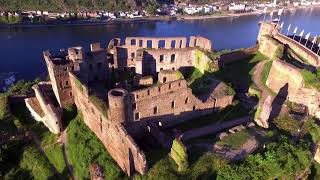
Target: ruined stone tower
x=118, y=106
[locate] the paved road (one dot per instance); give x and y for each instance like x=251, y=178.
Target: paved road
x=214, y=128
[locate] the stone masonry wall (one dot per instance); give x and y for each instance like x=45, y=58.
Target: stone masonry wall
x=52, y=114
x=282, y=73
x=268, y=46
x=115, y=138
x=308, y=55
x=59, y=77
x=170, y=103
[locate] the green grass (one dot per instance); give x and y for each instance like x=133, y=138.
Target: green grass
x=265, y=72
x=235, y=140
x=100, y=104
x=84, y=148
x=229, y=113
x=34, y=162
x=240, y=71
x=54, y=153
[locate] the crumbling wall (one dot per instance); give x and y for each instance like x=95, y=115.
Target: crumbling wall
x=115, y=138
x=282, y=73
x=271, y=47
x=53, y=114
x=170, y=103
x=157, y=43
x=58, y=74
x=201, y=42
x=169, y=75
x=166, y=59
x=267, y=29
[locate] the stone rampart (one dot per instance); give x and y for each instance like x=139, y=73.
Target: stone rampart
x=282, y=73
x=115, y=138
x=307, y=55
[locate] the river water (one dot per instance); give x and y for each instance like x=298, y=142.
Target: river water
x=21, y=48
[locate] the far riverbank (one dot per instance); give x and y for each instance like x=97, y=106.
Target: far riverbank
x=148, y=19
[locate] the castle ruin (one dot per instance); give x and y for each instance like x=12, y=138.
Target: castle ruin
x=127, y=89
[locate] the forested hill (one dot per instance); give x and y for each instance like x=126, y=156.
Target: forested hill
x=80, y=5
x=85, y=5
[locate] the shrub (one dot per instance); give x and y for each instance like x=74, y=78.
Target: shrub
x=311, y=79
x=207, y=166
x=288, y=124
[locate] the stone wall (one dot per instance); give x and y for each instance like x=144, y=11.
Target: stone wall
x=282, y=73
x=235, y=56
x=53, y=114
x=172, y=103
x=168, y=76
x=304, y=52
x=115, y=138
x=270, y=47
x=58, y=73
x=201, y=42
x=157, y=43
x=271, y=29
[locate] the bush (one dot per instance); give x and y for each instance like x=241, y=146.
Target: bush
x=288, y=124
x=21, y=88
x=311, y=79
x=282, y=159
x=207, y=167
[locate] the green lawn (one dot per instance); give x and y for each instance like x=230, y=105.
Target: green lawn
x=235, y=140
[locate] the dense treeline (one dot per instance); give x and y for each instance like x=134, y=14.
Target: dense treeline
x=77, y=5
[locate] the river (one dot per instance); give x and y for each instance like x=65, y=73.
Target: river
x=21, y=48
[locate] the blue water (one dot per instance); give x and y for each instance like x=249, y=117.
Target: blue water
x=21, y=48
